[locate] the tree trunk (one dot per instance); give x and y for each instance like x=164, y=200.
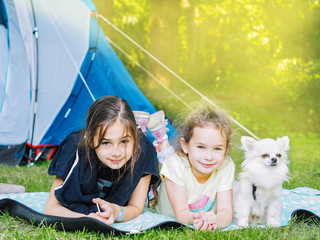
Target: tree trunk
x=164, y=38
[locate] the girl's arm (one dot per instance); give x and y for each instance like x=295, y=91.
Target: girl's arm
x=178, y=199
x=203, y=220
x=211, y=221
x=53, y=206
x=135, y=205
x=224, y=208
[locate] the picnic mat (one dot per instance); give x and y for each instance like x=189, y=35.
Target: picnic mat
x=302, y=203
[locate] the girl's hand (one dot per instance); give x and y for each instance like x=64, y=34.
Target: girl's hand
x=94, y=215
x=197, y=220
x=108, y=212
x=212, y=220
x=205, y=220
x=200, y=221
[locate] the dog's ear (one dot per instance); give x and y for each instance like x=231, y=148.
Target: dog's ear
x=284, y=143
x=247, y=143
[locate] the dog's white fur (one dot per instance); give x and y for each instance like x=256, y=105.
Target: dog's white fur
x=264, y=166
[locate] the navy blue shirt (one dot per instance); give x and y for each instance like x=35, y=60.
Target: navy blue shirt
x=83, y=182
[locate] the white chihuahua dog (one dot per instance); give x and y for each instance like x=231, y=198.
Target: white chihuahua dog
x=257, y=195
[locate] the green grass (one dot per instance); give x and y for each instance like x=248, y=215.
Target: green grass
x=34, y=178
x=304, y=171
x=14, y=228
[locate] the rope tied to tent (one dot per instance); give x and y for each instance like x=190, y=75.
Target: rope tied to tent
x=205, y=98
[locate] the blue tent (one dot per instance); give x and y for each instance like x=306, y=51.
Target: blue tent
x=54, y=62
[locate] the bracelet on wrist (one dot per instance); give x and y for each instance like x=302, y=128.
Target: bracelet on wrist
x=121, y=215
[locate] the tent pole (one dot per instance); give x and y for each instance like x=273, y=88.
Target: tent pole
x=35, y=33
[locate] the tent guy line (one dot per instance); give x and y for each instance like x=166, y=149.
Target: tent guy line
x=148, y=72
x=168, y=69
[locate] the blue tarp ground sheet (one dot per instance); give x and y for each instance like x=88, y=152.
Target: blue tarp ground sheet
x=30, y=206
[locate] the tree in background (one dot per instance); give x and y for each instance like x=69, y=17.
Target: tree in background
x=252, y=55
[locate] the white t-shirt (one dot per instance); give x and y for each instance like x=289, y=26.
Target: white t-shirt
x=200, y=196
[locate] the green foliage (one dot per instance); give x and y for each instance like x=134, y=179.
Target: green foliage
x=257, y=55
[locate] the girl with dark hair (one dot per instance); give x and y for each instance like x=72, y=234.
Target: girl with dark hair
x=105, y=170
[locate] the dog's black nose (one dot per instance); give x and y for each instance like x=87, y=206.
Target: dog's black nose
x=274, y=160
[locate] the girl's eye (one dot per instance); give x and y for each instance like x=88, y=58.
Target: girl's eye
x=265, y=156
x=201, y=147
x=278, y=155
x=218, y=149
x=105, y=143
x=124, y=141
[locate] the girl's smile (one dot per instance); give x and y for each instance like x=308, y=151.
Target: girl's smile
x=207, y=165
x=116, y=147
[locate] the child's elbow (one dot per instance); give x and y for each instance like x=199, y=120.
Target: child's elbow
x=140, y=211
x=48, y=211
x=51, y=208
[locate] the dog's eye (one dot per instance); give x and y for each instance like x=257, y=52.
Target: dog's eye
x=265, y=155
x=278, y=155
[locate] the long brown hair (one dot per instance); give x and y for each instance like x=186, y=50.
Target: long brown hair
x=102, y=114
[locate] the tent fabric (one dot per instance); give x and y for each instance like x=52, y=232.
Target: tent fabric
x=13, y=80
x=63, y=43
x=54, y=62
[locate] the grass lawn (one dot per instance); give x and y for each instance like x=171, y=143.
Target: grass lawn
x=304, y=171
